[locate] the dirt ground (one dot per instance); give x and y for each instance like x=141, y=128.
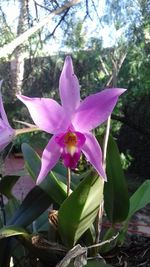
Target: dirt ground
x=25, y=183
x=134, y=253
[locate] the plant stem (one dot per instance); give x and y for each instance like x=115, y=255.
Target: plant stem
x=105, y=144
x=101, y=208
x=99, y=222
x=68, y=181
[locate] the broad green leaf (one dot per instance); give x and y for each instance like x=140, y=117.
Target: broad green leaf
x=6, y=185
x=79, y=210
x=41, y=224
x=140, y=198
x=35, y=203
x=13, y=230
x=32, y=160
x=10, y=208
x=116, y=200
x=55, y=188
x=137, y=201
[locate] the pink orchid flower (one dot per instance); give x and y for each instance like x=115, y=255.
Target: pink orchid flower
x=71, y=123
x=6, y=132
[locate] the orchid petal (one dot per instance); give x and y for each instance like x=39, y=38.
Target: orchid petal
x=95, y=109
x=69, y=88
x=6, y=136
x=91, y=149
x=50, y=156
x=2, y=111
x=46, y=113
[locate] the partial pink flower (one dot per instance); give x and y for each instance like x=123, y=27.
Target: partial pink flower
x=6, y=132
x=71, y=123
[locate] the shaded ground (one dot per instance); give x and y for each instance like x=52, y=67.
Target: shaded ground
x=136, y=250
x=135, y=253
x=25, y=182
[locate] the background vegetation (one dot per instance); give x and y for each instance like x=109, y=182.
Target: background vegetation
x=32, y=68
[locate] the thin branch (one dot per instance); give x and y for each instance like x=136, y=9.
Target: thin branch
x=99, y=18
x=58, y=24
x=87, y=11
x=44, y=7
x=9, y=48
x=103, y=66
x=5, y=21
x=109, y=82
x=36, y=11
x=104, y=242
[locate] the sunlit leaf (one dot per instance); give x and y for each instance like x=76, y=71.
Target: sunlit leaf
x=55, y=188
x=79, y=210
x=12, y=230
x=140, y=198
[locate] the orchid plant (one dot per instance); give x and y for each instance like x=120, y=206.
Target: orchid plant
x=71, y=231
x=72, y=122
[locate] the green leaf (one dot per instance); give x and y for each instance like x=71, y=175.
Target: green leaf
x=7, y=183
x=35, y=203
x=140, y=198
x=32, y=160
x=137, y=201
x=41, y=223
x=55, y=188
x=116, y=200
x=10, y=208
x=13, y=230
x=79, y=210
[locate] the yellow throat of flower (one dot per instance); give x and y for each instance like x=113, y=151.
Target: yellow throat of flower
x=71, y=142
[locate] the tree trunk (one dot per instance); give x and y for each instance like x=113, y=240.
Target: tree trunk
x=17, y=63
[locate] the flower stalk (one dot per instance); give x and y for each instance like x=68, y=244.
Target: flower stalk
x=68, y=181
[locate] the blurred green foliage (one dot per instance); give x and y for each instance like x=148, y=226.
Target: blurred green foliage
x=94, y=66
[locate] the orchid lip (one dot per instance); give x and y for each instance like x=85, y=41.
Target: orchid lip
x=70, y=146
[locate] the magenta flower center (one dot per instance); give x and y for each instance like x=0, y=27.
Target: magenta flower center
x=70, y=144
